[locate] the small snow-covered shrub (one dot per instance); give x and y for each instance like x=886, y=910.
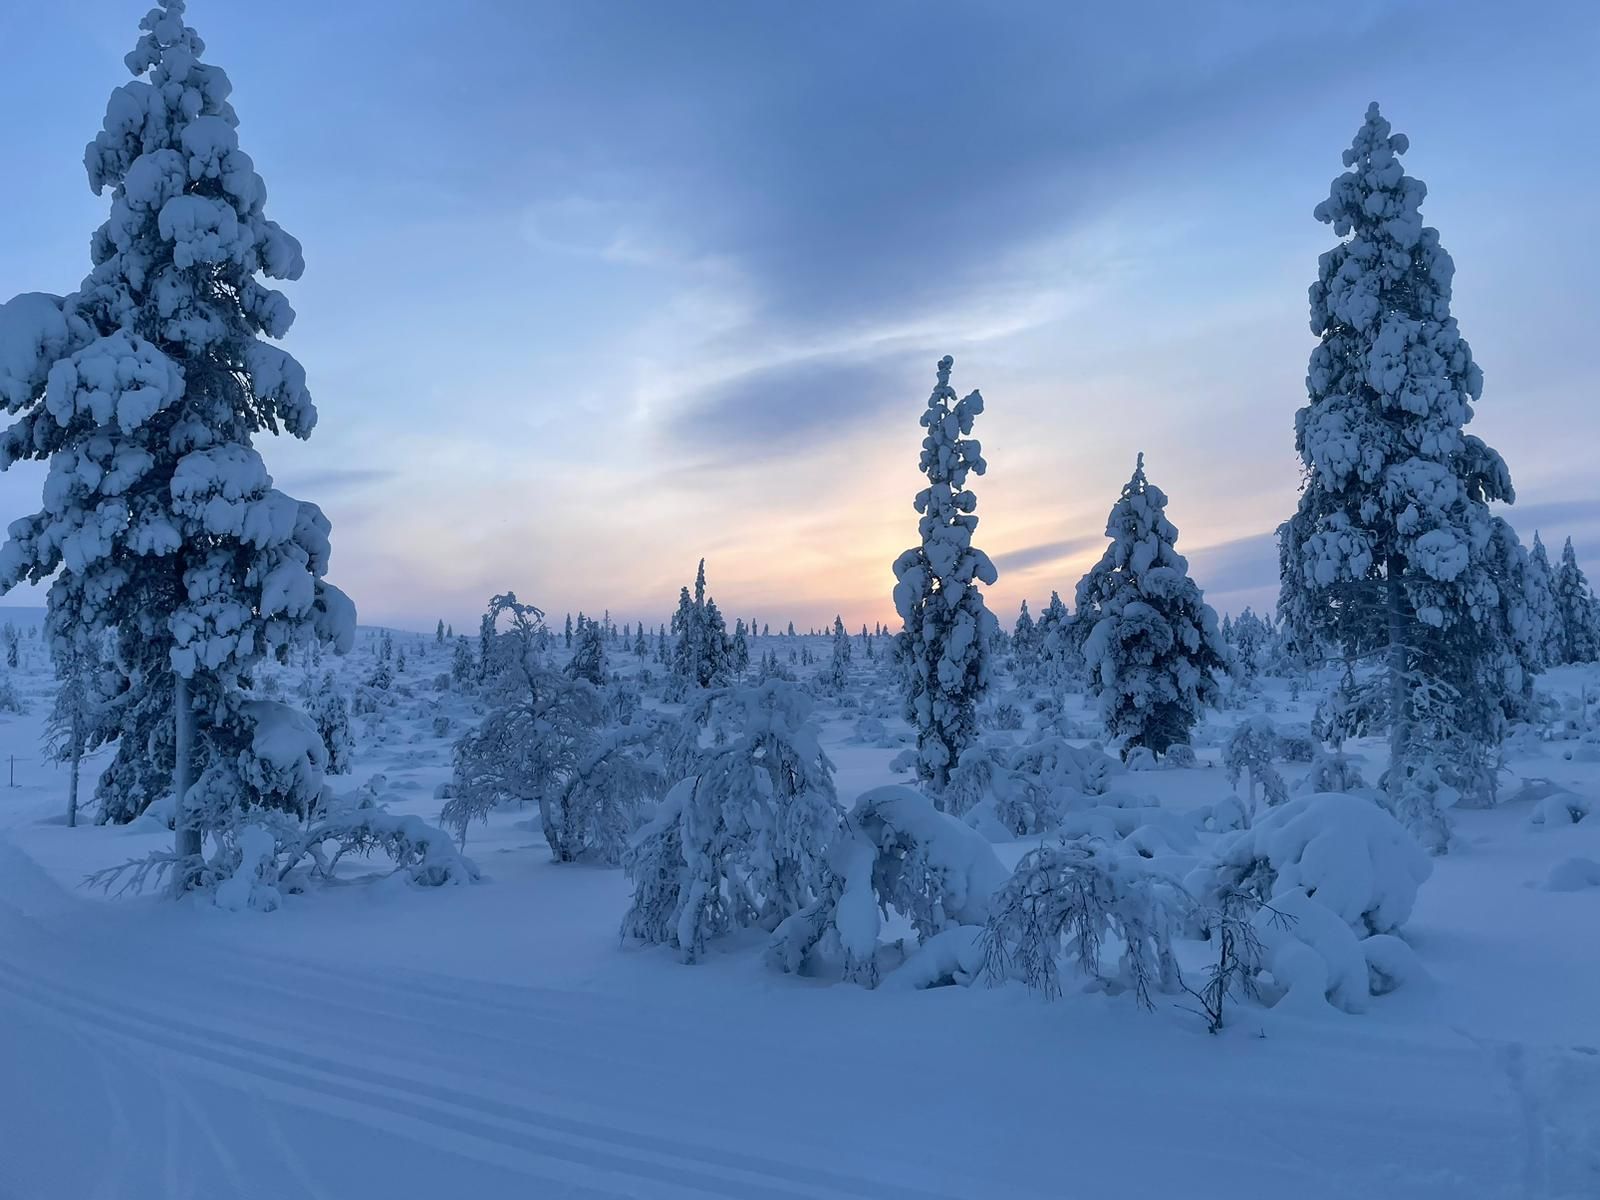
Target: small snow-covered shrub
x=899, y=853
x=1331, y=771
x=754, y=825
x=1344, y=852
x=1141, y=758
x=1222, y=816
x=1295, y=744
x=1180, y=756
x=1007, y=716
x=1250, y=749
x=1019, y=790
x=11, y=700
x=330, y=711
x=441, y=726
x=267, y=852
x=1229, y=925
x=1065, y=901
x=547, y=739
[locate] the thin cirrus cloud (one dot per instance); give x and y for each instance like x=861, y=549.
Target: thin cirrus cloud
x=640, y=283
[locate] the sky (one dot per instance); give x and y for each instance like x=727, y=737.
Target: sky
x=596, y=289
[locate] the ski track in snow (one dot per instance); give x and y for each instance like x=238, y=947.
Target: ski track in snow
x=435, y=1104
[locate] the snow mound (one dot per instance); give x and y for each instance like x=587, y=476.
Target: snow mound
x=1574, y=875
x=1558, y=807
x=1344, y=852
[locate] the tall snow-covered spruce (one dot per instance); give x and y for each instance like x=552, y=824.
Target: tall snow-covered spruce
x=144, y=390
x=1393, y=550
x=944, y=648
x=1150, y=641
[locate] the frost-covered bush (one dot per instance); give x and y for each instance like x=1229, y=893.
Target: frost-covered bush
x=548, y=743
x=1332, y=771
x=1295, y=744
x=1024, y=789
x=330, y=711
x=11, y=700
x=744, y=839
x=1007, y=716
x=1180, y=756
x=899, y=854
x=1065, y=902
x=1251, y=748
x=1344, y=852
x=1230, y=927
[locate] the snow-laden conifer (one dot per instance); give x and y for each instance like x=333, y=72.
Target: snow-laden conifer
x=1541, y=598
x=1391, y=547
x=1575, y=610
x=1150, y=641
x=944, y=648
x=144, y=391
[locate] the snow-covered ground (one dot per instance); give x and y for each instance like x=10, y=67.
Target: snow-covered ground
x=499, y=1040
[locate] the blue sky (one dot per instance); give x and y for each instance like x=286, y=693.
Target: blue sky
x=593, y=290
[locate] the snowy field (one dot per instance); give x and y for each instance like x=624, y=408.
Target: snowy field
x=499, y=1039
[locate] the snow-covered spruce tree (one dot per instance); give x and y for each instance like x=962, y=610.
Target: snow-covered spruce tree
x=1024, y=642
x=1058, y=652
x=77, y=718
x=588, y=660
x=462, y=667
x=945, y=644
x=1150, y=641
x=716, y=661
x=1575, y=609
x=839, y=665
x=743, y=839
x=1251, y=640
x=1541, y=600
x=330, y=712
x=1390, y=549
x=144, y=390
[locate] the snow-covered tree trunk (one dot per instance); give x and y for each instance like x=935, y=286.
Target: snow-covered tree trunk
x=1399, y=675
x=185, y=823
